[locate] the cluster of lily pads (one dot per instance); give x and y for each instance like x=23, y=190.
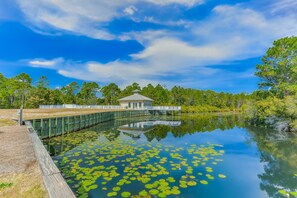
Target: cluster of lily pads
x=151, y=169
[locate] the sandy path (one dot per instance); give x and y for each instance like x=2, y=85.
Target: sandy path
x=18, y=164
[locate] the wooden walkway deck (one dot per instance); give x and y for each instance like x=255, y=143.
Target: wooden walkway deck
x=55, y=184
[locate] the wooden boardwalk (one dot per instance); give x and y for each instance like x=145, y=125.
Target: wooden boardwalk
x=55, y=184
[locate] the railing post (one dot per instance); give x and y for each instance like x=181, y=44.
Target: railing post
x=20, y=116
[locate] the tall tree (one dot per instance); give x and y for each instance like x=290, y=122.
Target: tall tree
x=111, y=93
x=177, y=95
x=129, y=89
x=40, y=95
x=87, y=94
x=148, y=91
x=69, y=93
x=278, y=72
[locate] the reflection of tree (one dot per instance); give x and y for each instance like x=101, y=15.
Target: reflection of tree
x=280, y=160
x=133, y=136
x=197, y=123
x=111, y=134
x=190, y=125
x=64, y=143
x=159, y=132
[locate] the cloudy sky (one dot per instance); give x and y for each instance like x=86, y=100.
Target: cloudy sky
x=204, y=44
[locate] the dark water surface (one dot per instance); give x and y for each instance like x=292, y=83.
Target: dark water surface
x=186, y=156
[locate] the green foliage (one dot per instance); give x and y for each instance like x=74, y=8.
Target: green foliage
x=279, y=69
x=111, y=93
x=69, y=92
x=18, y=90
x=5, y=185
x=278, y=87
x=87, y=94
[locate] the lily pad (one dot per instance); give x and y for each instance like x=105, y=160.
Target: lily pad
x=116, y=188
x=126, y=194
x=283, y=192
x=294, y=193
x=143, y=193
x=203, y=182
x=112, y=194
x=162, y=195
x=183, y=185
x=154, y=191
x=175, y=191
x=222, y=176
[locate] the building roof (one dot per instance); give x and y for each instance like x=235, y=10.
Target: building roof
x=136, y=97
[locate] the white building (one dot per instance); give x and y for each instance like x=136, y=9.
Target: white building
x=136, y=101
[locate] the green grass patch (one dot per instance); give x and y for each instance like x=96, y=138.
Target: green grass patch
x=5, y=185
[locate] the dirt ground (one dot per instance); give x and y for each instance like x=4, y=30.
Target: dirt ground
x=18, y=165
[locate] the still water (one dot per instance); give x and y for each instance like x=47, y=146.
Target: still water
x=186, y=156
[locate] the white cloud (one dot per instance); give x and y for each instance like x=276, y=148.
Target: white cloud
x=51, y=64
x=189, y=3
x=130, y=10
x=87, y=17
x=230, y=33
x=284, y=7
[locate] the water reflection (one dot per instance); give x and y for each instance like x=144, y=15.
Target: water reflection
x=155, y=128
x=275, y=153
x=278, y=152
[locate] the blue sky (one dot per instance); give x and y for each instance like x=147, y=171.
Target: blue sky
x=203, y=44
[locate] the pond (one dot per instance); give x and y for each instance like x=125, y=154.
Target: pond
x=183, y=156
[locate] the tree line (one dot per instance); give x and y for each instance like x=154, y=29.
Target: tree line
x=276, y=100
x=20, y=91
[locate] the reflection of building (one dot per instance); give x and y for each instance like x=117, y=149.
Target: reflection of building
x=135, y=101
x=137, y=128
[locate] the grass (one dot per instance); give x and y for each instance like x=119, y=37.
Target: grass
x=7, y=122
x=24, y=185
x=5, y=185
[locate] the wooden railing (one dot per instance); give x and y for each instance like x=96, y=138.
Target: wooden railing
x=74, y=106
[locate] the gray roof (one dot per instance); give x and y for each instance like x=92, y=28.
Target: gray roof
x=135, y=97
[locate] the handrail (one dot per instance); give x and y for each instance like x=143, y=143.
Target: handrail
x=74, y=106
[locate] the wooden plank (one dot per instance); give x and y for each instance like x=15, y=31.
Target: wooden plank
x=55, y=184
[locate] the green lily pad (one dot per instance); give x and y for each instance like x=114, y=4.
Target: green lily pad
x=149, y=186
x=154, y=191
x=175, y=191
x=143, y=193
x=162, y=195
x=192, y=183
x=203, y=182
x=112, y=194
x=294, y=193
x=283, y=192
x=116, y=188
x=171, y=179
x=222, y=176
x=126, y=194
x=183, y=185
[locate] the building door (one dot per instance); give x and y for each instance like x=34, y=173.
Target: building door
x=134, y=105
